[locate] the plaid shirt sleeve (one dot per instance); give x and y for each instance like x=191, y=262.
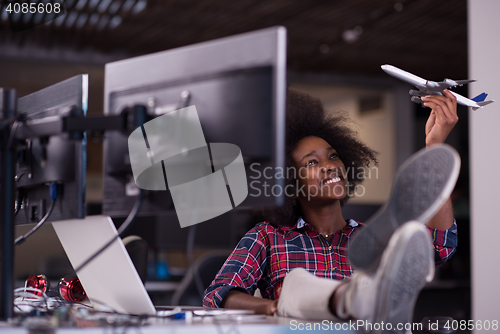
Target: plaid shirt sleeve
x=445, y=243
x=242, y=269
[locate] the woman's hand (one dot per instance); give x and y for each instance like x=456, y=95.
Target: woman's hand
x=272, y=307
x=237, y=299
x=442, y=119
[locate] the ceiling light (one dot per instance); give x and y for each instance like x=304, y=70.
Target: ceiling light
x=324, y=48
x=352, y=35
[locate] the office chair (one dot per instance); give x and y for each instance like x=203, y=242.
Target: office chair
x=207, y=266
x=137, y=249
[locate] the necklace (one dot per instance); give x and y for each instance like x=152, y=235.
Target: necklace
x=330, y=234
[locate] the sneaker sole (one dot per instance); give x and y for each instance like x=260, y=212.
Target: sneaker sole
x=421, y=186
x=404, y=270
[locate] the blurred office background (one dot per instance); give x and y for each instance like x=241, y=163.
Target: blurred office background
x=335, y=49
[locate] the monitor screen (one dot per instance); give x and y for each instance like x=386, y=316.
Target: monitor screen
x=56, y=160
x=237, y=85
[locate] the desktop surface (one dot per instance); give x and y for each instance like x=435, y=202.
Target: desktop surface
x=222, y=324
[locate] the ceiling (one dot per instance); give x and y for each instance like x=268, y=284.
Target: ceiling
x=426, y=37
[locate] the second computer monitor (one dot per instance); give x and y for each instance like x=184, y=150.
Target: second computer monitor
x=238, y=86
x=51, y=160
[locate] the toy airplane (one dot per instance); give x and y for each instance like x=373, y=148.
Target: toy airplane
x=427, y=87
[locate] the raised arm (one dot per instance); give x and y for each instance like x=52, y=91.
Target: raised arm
x=441, y=121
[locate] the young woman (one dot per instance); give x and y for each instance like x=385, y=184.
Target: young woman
x=310, y=231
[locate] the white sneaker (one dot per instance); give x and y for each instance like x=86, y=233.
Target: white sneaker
x=421, y=186
x=385, y=298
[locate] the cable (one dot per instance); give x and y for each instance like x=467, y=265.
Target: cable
x=32, y=300
x=53, y=187
x=13, y=130
x=20, y=199
x=123, y=227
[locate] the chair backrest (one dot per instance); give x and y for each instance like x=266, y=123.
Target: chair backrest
x=137, y=249
x=205, y=267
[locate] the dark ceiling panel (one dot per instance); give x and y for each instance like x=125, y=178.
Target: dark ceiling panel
x=427, y=37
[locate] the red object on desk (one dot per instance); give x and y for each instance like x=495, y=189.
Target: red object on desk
x=71, y=289
x=39, y=282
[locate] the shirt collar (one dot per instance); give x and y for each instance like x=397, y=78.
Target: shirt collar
x=301, y=223
x=353, y=223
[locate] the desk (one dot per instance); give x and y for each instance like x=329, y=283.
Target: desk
x=246, y=325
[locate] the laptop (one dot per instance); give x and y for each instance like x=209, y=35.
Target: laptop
x=110, y=280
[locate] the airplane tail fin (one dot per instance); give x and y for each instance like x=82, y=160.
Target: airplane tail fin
x=482, y=104
x=480, y=98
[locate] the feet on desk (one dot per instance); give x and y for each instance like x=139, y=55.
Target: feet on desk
x=388, y=294
x=385, y=295
x=421, y=186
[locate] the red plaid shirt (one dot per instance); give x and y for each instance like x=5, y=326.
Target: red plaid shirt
x=267, y=253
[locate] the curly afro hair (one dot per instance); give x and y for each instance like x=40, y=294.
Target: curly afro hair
x=306, y=116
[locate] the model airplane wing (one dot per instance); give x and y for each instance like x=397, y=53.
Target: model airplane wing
x=445, y=84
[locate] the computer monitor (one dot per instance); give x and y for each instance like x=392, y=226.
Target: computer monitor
x=238, y=86
x=51, y=160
